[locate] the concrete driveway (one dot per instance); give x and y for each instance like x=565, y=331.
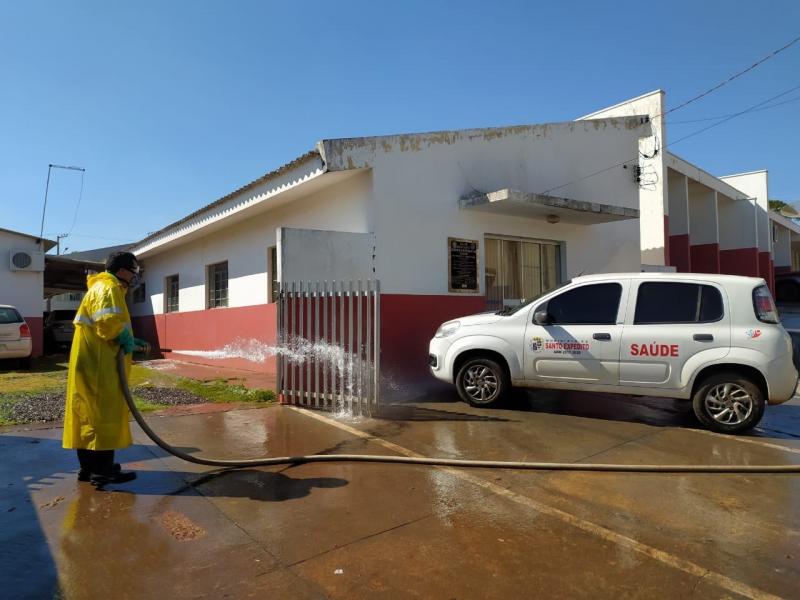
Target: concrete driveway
x=366, y=531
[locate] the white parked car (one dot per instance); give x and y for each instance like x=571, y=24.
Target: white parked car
x=15, y=335
x=713, y=339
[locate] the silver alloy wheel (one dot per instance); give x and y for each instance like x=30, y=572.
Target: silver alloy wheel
x=480, y=382
x=729, y=403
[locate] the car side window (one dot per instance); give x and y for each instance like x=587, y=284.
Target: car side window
x=595, y=304
x=659, y=302
x=787, y=291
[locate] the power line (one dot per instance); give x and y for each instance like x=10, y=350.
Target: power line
x=735, y=76
x=733, y=116
x=686, y=137
x=78, y=205
x=777, y=104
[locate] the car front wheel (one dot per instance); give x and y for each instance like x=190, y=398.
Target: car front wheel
x=728, y=403
x=482, y=382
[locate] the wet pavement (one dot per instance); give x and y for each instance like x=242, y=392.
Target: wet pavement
x=367, y=530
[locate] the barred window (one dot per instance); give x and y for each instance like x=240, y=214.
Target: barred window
x=172, y=288
x=274, y=284
x=217, y=285
x=518, y=270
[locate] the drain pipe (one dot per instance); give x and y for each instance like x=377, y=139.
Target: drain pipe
x=436, y=462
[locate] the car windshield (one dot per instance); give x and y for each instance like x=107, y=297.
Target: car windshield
x=510, y=310
x=9, y=315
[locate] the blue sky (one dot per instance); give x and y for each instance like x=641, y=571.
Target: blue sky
x=170, y=105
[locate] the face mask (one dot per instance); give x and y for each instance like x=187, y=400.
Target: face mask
x=136, y=281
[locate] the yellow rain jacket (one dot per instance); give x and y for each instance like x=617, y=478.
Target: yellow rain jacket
x=96, y=416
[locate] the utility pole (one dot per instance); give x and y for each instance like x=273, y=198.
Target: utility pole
x=58, y=242
x=50, y=167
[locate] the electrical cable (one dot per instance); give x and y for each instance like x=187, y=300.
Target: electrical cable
x=78, y=205
x=665, y=146
x=430, y=461
x=771, y=106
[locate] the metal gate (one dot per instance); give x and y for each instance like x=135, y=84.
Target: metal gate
x=329, y=336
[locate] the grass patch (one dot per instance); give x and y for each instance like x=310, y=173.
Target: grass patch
x=32, y=382
x=145, y=406
x=219, y=390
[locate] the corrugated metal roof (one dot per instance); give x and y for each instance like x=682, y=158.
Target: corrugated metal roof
x=280, y=170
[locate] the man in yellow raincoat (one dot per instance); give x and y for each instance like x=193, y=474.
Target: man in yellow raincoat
x=96, y=416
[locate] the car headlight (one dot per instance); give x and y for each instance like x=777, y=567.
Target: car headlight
x=448, y=329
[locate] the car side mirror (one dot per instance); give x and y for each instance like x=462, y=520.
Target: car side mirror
x=540, y=317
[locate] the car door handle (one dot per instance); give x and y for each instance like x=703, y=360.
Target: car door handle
x=602, y=336
x=703, y=337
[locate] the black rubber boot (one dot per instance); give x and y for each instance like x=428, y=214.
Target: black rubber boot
x=99, y=480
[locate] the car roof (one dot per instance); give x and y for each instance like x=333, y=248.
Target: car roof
x=8, y=306
x=734, y=279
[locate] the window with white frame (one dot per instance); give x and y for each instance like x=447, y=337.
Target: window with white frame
x=518, y=270
x=171, y=294
x=217, y=285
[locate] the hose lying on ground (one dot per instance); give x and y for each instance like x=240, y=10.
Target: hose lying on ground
x=439, y=462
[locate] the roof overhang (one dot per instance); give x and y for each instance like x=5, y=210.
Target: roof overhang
x=46, y=244
x=271, y=190
x=66, y=274
x=786, y=222
x=539, y=206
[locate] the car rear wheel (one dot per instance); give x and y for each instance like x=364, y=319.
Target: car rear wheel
x=728, y=403
x=482, y=382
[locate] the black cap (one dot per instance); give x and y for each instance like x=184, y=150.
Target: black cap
x=121, y=260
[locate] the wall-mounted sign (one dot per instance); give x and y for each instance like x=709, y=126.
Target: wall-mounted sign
x=462, y=265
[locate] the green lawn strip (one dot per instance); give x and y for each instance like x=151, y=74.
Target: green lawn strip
x=219, y=390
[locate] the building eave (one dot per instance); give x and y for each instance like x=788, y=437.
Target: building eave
x=46, y=244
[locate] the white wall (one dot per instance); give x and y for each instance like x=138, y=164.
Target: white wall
x=737, y=223
x=703, y=218
x=343, y=206
x=308, y=255
x=755, y=185
x=418, y=180
x=678, y=194
x=653, y=194
x=22, y=289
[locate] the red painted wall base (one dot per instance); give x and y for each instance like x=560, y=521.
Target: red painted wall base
x=680, y=253
x=741, y=261
x=705, y=258
x=211, y=330
x=408, y=322
x=37, y=334
x=765, y=269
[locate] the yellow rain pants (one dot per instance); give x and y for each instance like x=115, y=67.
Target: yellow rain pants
x=96, y=416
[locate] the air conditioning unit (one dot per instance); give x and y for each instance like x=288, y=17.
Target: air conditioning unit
x=26, y=260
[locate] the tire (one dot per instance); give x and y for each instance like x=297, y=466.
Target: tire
x=482, y=382
x=728, y=403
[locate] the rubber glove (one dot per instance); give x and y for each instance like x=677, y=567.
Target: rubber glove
x=126, y=341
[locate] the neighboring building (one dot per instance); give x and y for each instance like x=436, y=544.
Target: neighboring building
x=533, y=206
x=22, y=267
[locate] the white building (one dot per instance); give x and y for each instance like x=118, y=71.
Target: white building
x=22, y=278
x=533, y=206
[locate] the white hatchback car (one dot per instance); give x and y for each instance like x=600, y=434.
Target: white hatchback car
x=15, y=335
x=713, y=339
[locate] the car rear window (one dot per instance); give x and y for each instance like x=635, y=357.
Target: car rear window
x=661, y=302
x=63, y=315
x=9, y=315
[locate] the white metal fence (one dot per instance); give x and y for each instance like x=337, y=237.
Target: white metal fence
x=330, y=333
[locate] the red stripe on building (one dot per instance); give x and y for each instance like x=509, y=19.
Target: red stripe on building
x=36, y=325
x=408, y=322
x=705, y=258
x=741, y=261
x=680, y=253
x=211, y=330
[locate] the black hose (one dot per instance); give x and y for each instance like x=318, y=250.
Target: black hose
x=439, y=462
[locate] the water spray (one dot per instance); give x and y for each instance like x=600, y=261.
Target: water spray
x=429, y=461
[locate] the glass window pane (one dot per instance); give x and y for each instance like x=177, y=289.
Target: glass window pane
x=673, y=302
x=531, y=270
x=596, y=304
x=493, y=275
x=512, y=271
x=551, y=267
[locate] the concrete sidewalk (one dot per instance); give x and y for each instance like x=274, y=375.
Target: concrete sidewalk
x=344, y=530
